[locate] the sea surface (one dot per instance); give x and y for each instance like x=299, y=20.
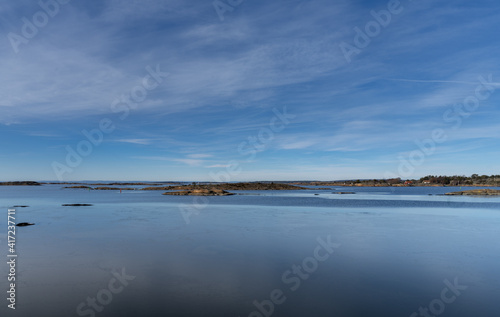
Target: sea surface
x=382, y=251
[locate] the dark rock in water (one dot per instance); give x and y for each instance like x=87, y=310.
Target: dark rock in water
x=316, y=194
x=77, y=205
x=79, y=186
x=24, y=224
x=344, y=193
x=112, y=188
x=20, y=206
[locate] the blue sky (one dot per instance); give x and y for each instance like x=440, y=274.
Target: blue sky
x=232, y=74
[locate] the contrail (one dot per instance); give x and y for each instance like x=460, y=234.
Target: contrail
x=437, y=81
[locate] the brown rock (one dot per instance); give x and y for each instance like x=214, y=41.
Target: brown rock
x=476, y=192
x=200, y=192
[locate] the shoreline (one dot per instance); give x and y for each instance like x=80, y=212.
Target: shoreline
x=296, y=185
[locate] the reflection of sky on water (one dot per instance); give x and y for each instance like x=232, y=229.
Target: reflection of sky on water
x=391, y=260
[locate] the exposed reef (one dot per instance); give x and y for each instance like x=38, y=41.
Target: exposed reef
x=233, y=186
x=112, y=188
x=99, y=188
x=27, y=183
x=200, y=192
x=476, y=192
x=79, y=186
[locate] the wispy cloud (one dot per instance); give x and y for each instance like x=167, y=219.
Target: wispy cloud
x=190, y=162
x=135, y=141
x=226, y=79
x=439, y=81
x=152, y=158
x=217, y=166
x=296, y=145
x=199, y=156
x=186, y=161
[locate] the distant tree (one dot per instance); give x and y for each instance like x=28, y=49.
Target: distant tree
x=394, y=180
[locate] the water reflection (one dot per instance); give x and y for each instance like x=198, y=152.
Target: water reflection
x=231, y=259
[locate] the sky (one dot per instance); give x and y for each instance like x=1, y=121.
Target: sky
x=232, y=90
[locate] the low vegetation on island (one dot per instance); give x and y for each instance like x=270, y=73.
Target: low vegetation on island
x=194, y=189
x=112, y=188
x=476, y=192
x=221, y=189
x=430, y=180
x=236, y=186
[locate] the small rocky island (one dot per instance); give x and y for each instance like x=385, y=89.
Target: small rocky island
x=111, y=188
x=99, y=188
x=221, y=189
x=26, y=183
x=79, y=187
x=200, y=192
x=231, y=186
x=476, y=192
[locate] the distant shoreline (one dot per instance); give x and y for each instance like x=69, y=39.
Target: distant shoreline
x=228, y=189
x=474, y=180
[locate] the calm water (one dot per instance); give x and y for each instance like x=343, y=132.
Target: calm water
x=383, y=252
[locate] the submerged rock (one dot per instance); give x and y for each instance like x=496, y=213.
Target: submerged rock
x=24, y=224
